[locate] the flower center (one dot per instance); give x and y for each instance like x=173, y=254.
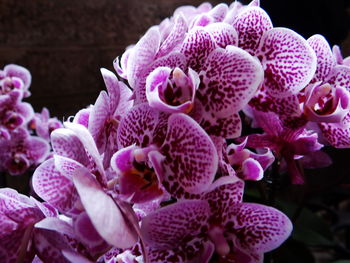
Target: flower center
x=216, y=235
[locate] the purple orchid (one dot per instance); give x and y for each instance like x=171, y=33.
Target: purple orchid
x=44, y=125
x=22, y=151
x=14, y=114
x=328, y=98
x=247, y=164
x=19, y=215
x=286, y=143
x=192, y=230
x=105, y=115
x=74, y=180
x=15, y=81
x=183, y=160
x=288, y=61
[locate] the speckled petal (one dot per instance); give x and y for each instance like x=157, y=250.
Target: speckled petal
x=337, y=134
x=229, y=127
x=197, y=46
x=66, y=143
x=288, y=60
x=258, y=228
x=82, y=117
x=190, y=157
x=138, y=126
x=54, y=188
x=89, y=144
x=340, y=77
x=325, y=59
x=173, y=225
x=223, y=34
x=224, y=193
x=38, y=149
x=230, y=80
x=250, y=24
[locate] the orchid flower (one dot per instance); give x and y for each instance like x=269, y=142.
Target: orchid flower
x=15, y=81
x=105, y=115
x=286, y=143
x=19, y=215
x=288, y=61
x=328, y=98
x=183, y=160
x=191, y=230
x=77, y=179
x=44, y=125
x=22, y=151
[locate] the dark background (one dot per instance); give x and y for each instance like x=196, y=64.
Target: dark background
x=64, y=43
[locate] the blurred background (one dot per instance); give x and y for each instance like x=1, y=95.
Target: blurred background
x=64, y=43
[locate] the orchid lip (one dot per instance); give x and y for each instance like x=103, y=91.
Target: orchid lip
x=216, y=235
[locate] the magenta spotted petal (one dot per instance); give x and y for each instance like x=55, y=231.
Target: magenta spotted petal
x=325, y=59
x=190, y=156
x=251, y=24
x=224, y=193
x=173, y=225
x=138, y=126
x=53, y=187
x=231, y=77
x=67, y=144
x=258, y=228
x=228, y=127
x=223, y=34
x=197, y=46
x=288, y=60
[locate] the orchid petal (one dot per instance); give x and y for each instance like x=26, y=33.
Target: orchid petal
x=53, y=187
x=197, y=46
x=138, y=126
x=112, y=85
x=223, y=34
x=13, y=70
x=99, y=115
x=190, y=156
x=67, y=144
x=143, y=54
x=224, y=193
x=288, y=60
x=325, y=59
x=175, y=37
x=103, y=211
x=259, y=228
x=251, y=24
x=231, y=78
x=218, y=12
x=90, y=146
x=172, y=225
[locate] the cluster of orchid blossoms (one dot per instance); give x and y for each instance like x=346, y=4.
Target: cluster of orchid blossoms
x=149, y=173
x=24, y=135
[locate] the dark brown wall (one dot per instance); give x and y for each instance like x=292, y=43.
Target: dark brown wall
x=64, y=43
